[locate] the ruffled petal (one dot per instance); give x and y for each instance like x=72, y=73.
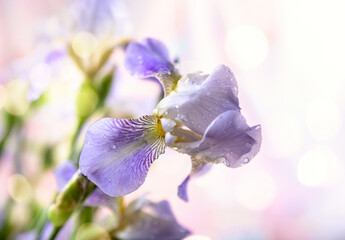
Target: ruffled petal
x=199, y=99
x=228, y=139
x=147, y=59
x=117, y=153
x=149, y=220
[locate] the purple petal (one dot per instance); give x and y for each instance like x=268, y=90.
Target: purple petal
x=63, y=173
x=227, y=139
x=152, y=221
x=55, y=55
x=29, y=235
x=99, y=198
x=147, y=59
x=117, y=153
x=200, y=99
x=182, y=189
x=157, y=47
x=198, y=168
x=64, y=233
x=99, y=17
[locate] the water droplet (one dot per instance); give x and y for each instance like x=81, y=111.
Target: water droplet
x=109, y=179
x=183, y=117
x=177, y=106
x=246, y=160
x=113, y=146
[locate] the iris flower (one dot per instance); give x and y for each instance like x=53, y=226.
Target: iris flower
x=199, y=115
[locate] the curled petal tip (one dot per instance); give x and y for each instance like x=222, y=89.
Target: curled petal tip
x=182, y=189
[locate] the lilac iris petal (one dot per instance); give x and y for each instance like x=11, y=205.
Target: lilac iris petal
x=157, y=47
x=55, y=55
x=65, y=232
x=98, y=198
x=65, y=171
x=117, y=153
x=199, y=99
x=147, y=59
x=228, y=139
x=198, y=168
x=153, y=221
x=99, y=17
x=182, y=189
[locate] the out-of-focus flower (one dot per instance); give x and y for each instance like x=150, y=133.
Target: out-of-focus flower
x=101, y=18
x=149, y=220
x=199, y=116
x=148, y=58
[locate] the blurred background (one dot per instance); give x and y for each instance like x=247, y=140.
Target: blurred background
x=288, y=57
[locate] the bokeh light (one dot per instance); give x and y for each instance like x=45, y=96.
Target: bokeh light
x=247, y=46
x=16, y=101
x=84, y=44
x=40, y=78
x=2, y=96
x=197, y=237
x=19, y=189
x=255, y=189
x=323, y=119
x=89, y=231
x=286, y=133
x=319, y=167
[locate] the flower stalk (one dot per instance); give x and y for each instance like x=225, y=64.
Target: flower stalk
x=70, y=199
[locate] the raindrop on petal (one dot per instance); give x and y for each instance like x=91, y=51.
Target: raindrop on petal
x=245, y=160
x=113, y=146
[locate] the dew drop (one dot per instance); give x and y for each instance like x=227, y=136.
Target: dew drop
x=177, y=106
x=109, y=179
x=113, y=146
x=246, y=160
x=183, y=117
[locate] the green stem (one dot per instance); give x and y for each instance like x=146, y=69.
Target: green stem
x=54, y=233
x=70, y=199
x=10, y=122
x=73, y=153
x=6, y=228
